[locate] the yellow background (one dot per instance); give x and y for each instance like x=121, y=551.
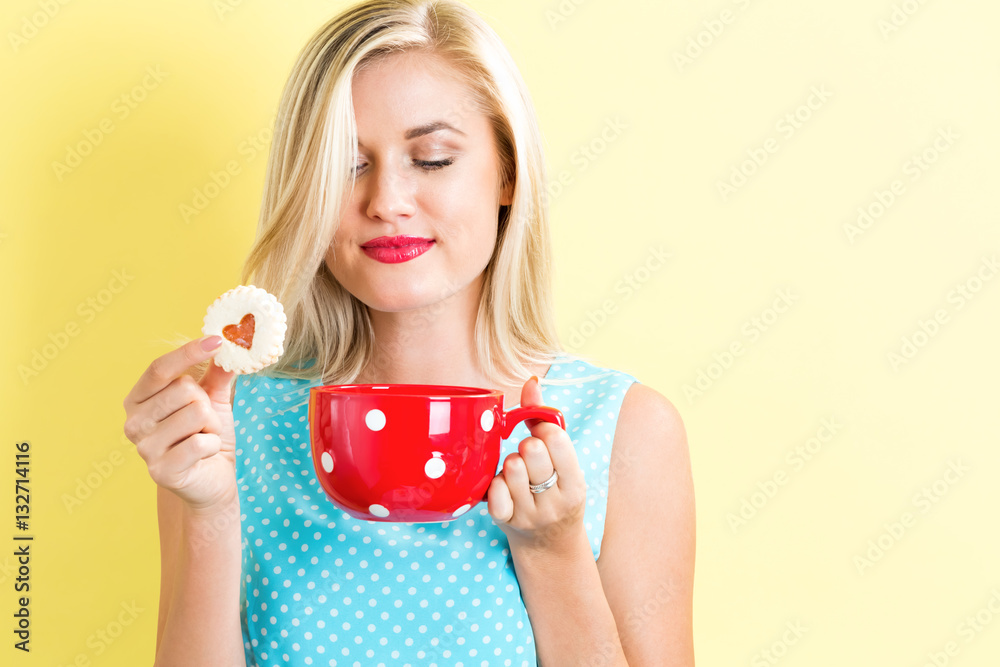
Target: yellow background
x=663, y=133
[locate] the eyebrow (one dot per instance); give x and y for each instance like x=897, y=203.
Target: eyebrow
x=431, y=127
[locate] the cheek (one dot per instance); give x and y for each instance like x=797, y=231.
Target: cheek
x=346, y=234
x=336, y=256
x=471, y=198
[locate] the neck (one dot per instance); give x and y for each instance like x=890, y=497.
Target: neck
x=431, y=345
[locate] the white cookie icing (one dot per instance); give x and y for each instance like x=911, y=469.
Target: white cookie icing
x=269, y=328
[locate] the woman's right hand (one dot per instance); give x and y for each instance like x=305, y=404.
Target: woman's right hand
x=183, y=428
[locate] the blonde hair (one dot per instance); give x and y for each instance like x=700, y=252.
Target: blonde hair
x=309, y=176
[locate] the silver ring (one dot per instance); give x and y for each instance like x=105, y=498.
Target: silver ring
x=547, y=484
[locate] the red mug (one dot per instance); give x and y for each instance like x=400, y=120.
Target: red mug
x=410, y=452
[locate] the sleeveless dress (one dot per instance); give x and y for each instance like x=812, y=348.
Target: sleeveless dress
x=320, y=587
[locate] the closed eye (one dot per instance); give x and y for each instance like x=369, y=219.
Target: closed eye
x=432, y=165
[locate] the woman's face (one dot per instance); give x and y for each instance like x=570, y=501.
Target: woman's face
x=421, y=223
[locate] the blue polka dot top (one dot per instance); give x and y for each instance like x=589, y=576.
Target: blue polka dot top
x=320, y=587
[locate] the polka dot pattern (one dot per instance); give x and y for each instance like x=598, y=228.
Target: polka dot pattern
x=321, y=588
x=486, y=421
x=435, y=466
x=375, y=419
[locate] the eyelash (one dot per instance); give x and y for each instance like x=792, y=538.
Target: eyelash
x=426, y=165
x=433, y=165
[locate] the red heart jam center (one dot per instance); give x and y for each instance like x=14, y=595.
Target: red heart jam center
x=242, y=333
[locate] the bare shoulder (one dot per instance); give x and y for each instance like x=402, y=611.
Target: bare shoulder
x=649, y=421
x=647, y=554
x=650, y=459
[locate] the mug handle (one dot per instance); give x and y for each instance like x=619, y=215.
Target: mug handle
x=510, y=419
x=513, y=417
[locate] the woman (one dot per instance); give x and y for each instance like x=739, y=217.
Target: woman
x=405, y=123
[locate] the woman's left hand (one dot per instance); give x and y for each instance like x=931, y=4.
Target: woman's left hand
x=552, y=518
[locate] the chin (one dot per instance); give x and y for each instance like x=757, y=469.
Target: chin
x=388, y=300
x=426, y=295
x=393, y=306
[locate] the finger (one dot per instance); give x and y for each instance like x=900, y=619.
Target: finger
x=191, y=419
x=562, y=453
x=536, y=459
x=516, y=475
x=171, y=469
x=191, y=450
x=145, y=418
x=531, y=396
x=180, y=393
x=498, y=502
x=531, y=393
x=218, y=384
x=166, y=368
x=559, y=446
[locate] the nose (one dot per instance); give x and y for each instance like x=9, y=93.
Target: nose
x=390, y=195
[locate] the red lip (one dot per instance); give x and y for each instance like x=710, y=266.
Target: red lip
x=396, y=249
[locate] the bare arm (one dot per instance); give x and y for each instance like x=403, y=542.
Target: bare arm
x=168, y=511
x=648, y=552
x=633, y=606
x=200, y=588
x=570, y=615
x=183, y=430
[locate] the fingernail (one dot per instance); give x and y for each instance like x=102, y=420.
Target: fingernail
x=211, y=343
x=535, y=378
